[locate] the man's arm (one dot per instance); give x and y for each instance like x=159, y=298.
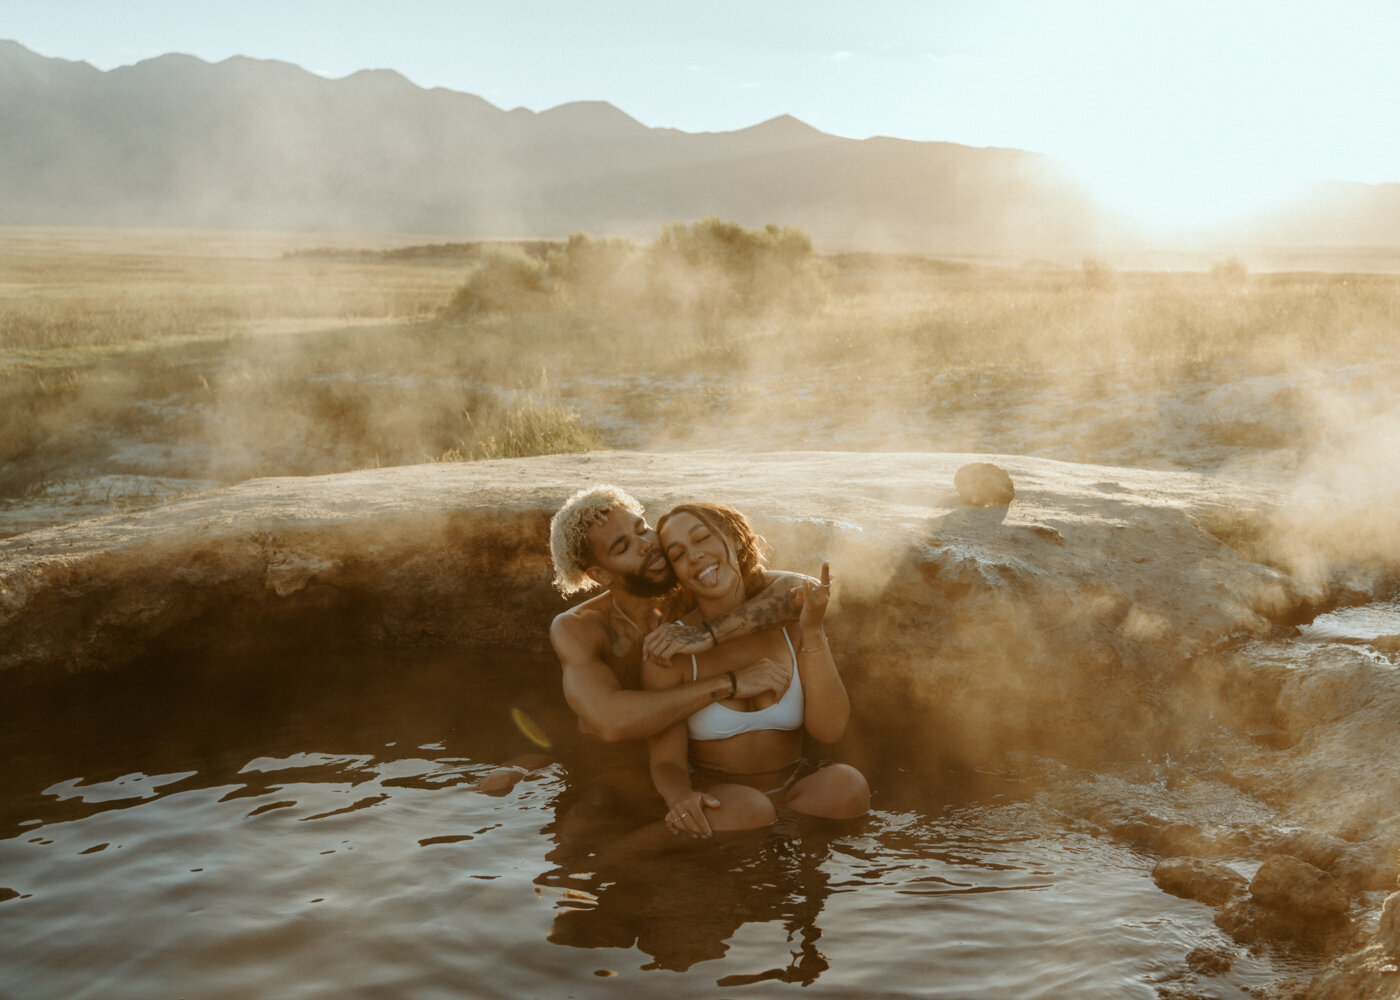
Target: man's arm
x=608, y=710
x=777, y=604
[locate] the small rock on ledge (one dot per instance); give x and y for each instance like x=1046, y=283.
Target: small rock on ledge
x=983, y=484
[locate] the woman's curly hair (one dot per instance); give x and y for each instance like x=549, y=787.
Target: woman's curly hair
x=746, y=546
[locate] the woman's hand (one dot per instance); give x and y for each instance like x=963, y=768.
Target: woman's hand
x=815, y=597
x=687, y=814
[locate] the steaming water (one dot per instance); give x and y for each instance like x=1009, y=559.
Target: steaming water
x=1356, y=624
x=309, y=828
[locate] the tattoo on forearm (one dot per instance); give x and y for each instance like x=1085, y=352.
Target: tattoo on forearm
x=764, y=612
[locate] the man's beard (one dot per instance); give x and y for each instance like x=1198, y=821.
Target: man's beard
x=642, y=586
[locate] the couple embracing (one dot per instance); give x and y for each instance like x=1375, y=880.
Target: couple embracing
x=719, y=664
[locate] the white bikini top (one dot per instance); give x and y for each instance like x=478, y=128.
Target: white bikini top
x=717, y=722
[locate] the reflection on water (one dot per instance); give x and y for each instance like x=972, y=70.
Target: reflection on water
x=1358, y=624
x=310, y=828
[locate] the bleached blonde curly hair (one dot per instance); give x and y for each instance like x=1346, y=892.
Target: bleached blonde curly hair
x=569, y=544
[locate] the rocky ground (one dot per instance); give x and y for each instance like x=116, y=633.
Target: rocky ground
x=1129, y=635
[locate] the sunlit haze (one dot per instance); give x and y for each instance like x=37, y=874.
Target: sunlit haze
x=1179, y=113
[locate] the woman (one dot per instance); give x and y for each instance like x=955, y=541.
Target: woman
x=727, y=766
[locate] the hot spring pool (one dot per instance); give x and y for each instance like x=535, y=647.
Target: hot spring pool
x=309, y=828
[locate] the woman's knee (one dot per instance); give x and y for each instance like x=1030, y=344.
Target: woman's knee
x=836, y=791
x=740, y=808
x=852, y=791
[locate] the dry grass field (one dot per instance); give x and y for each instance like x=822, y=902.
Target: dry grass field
x=137, y=364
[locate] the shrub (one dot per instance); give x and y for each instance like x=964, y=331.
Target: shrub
x=596, y=272
x=715, y=266
x=506, y=279
x=1231, y=271
x=1098, y=273
x=711, y=268
x=536, y=424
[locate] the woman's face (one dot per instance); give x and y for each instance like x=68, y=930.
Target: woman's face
x=701, y=556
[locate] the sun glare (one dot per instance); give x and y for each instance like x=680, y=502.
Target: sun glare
x=1178, y=199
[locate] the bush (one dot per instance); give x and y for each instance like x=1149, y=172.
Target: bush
x=535, y=427
x=596, y=272
x=711, y=268
x=536, y=424
x=506, y=279
x=720, y=267
x=1098, y=273
x=1231, y=271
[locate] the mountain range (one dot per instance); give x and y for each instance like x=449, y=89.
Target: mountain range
x=175, y=141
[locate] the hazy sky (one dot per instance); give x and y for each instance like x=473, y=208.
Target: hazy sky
x=1178, y=109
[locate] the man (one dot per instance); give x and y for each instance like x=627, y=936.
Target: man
x=600, y=538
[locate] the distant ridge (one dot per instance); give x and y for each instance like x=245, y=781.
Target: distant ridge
x=176, y=141
x=249, y=143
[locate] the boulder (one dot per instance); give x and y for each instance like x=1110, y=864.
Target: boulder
x=1297, y=889
x=1250, y=922
x=1203, y=881
x=1289, y=901
x=1210, y=960
x=1368, y=974
x=982, y=484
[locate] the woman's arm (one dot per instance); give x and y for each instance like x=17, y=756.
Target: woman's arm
x=669, y=752
x=828, y=707
x=670, y=773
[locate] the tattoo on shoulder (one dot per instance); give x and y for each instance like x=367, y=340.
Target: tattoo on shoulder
x=617, y=643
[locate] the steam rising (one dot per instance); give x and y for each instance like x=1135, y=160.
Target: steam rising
x=235, y=359
x=1068, y=642
x=229, y=362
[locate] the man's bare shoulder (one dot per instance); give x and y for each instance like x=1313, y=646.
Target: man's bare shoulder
x=582, y=623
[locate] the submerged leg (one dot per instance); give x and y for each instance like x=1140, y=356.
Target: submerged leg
x=504, y=778
x=741, y=810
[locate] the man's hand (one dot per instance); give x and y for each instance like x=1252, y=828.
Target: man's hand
x=762, y=675
x=667, y=641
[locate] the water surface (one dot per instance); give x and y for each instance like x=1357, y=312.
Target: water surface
x=309, y=827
